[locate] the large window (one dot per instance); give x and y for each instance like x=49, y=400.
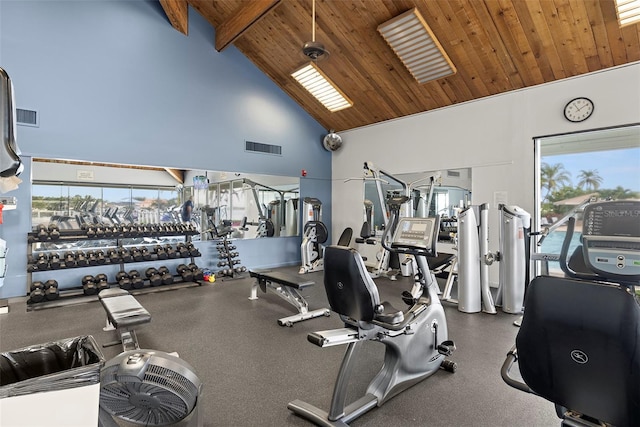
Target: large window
x=573, y=169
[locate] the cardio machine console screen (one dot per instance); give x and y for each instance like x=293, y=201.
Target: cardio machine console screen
x=416, y=233
x=611, y=238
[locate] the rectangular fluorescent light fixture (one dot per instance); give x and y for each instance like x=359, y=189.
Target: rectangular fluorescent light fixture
x=323, y=89
x=628, y=12
x=417, y=47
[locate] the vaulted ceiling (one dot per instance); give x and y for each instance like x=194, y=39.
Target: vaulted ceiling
x=496, y=45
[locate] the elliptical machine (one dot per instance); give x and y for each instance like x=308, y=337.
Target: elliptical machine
x=579, y=342
x=416, y=340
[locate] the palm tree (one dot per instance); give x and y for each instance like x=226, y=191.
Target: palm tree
x=553, y=177
x=589, y=180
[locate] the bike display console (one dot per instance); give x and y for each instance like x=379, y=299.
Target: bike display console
x=417, y=233
x=611, y=239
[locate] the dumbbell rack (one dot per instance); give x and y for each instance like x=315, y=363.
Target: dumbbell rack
x=117, y=243
x=229, y=262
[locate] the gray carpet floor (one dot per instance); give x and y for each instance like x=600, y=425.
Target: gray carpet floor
x=251, y=367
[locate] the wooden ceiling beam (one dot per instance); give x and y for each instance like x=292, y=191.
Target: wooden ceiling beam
x=176, y=174
x=178, y=14
x=241, y=20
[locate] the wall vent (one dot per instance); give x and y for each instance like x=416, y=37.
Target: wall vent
x=257, y=147
x=454, y=174
x=27, y=117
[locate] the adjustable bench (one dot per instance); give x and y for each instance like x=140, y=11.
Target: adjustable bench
x=286, y=287
x=124, y=314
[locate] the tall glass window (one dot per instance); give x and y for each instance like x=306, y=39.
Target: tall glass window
x=576, y=168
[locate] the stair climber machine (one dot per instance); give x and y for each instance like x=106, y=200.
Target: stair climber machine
x=578, y=345
x=416, y=340
x=315, y=235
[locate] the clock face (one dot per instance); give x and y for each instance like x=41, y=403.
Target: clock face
x=578, y=109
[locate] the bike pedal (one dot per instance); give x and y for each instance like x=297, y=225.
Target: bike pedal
x=446, y=348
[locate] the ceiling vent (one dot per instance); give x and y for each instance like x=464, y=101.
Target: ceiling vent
x=417, y=47
x=628, y=12
x=27, y=117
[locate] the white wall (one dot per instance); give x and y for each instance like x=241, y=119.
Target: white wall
x=493, y=135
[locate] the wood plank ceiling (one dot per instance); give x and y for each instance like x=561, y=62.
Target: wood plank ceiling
x=496, y=45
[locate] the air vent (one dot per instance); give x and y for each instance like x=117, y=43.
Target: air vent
x=257, y=147
x=455, y=174
x=27, y=117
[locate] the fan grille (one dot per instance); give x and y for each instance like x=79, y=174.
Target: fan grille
x=163, y=397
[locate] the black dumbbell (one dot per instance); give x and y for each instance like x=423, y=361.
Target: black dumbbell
x=89, y=285
x=193, y=251
x=107, y=230
x=171, y=252
x=182, y=250
x=100, y=233
x=100, y=257
x=91, y=231
x=54, y=260
x=154, y=277
x=81, y=259
x=69, y=259
x=42, y=262
x=51, y=290
x=137, y=282
x=146, y=254
x=125, y=254
x=185, y=272
x=42, y=233
x=198, y=274
x=115, y=230
x=113, y=256
x=123, y=280
x=125, y=230
x=136, y=254
x=102, y=281
x=165, y=275
x=91, y=258
x=37, y=292
x=222, y=263
x=161, y=253
x=54, y=231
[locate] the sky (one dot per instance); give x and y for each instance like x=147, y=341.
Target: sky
x=615, y=167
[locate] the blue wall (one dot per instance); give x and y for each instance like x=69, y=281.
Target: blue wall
x=112, y=81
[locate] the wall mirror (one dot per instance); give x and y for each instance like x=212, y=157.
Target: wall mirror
x=432, y=193
x=246, y=206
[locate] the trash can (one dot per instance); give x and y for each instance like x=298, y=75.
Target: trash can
x=51, y=384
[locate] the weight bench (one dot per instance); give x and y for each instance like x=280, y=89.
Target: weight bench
x=286, y=287
x=124, y=314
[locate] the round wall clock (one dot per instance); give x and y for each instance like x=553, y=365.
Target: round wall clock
x=578, y=109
